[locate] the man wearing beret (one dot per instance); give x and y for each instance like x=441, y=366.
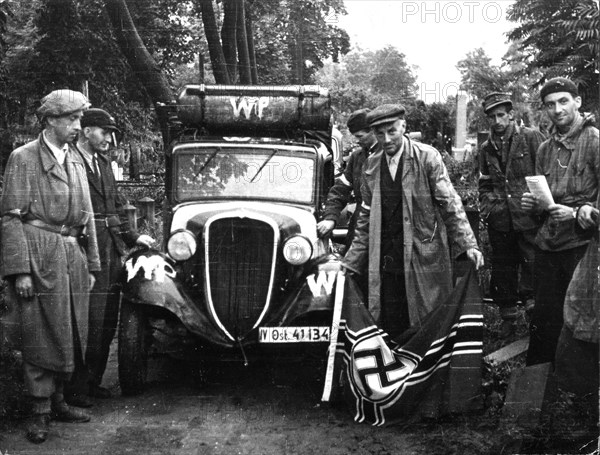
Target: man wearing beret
x=409, y=213
x=48, y=254
x=114, y=236
x=505, y=159
x=341, y=192
x=569, y=160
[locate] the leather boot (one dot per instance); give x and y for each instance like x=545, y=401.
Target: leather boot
x=38, y=426
x=65, y=413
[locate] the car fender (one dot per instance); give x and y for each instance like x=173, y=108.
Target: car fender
x=150, y=278
x=315, y=293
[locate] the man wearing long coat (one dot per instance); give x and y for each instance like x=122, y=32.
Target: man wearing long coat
x=410, y=210
x=49, y=250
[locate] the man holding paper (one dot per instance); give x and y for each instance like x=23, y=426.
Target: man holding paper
x=505, y=161
x=569, y=162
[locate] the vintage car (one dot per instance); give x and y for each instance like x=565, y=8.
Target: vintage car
x=243, y=274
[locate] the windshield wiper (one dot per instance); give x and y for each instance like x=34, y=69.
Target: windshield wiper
x=262, y=166
x=210, y=158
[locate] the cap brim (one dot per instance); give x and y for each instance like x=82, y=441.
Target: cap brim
x=383, y=121
x=496, y=104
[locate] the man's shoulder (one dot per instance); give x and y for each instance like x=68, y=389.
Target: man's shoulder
x=425, y=153
x=529, y=131
x=27, y=150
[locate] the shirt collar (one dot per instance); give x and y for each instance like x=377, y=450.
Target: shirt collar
x=59, y=153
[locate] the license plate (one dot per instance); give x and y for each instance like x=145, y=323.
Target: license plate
x=293, y=334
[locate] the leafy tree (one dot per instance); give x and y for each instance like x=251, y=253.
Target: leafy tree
x=479, y=78
x=367, y=79
x=560, y=38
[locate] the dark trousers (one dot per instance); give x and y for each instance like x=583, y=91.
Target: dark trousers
x=552, y=275
x=577, y=366
x=513, y=255
x=394, y=304
x=103, y=318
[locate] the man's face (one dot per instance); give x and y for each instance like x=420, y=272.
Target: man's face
x=66, y=127
x=98, y=138
x=365, y=138
x=562, y=108
x=499, y=118
x=389, y=136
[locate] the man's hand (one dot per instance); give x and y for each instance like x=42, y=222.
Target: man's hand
x=475, y=255
x=91, y=280
x=145, y=240
x=24, y=286
x=529, y=203
x=559, y=212
x=325, y=227
x=586, y=215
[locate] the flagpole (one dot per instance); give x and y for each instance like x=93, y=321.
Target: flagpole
x=333, y=338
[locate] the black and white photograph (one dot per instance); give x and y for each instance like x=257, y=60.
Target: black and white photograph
x=299, y=227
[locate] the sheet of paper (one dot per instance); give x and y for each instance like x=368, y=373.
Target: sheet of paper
x=538, y=185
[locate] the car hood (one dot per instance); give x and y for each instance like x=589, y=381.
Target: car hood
x=290, y=220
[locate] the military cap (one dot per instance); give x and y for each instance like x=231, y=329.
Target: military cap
x=496, y=99
x=559, y=84
x=100, y=118
x=358, y=120
x=386, y=113
x=62, y=102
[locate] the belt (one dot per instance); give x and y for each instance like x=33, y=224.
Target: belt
x=108, y=221
x=67, y=231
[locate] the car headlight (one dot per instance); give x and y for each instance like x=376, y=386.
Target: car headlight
x=297, y=250
x=182, y=245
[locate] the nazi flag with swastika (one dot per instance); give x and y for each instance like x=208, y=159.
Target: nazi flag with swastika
x=430, y=371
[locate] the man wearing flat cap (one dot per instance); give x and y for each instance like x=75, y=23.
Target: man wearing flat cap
x=114, y=237
x=409, y=213
x=505, y=159
x=569, y=160
x=48, y=256
x=348, y=184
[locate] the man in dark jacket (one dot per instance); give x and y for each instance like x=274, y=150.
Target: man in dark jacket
x=409, y=214
x=348, y=184
x=114, y=236
x=506, y=158
x=45, y=257
x=569, y=160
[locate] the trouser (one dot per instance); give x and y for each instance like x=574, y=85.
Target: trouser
x=394, y=304
x=43, y=387
x=512, y=251
x=552, y=274
x=103, y=319
x=104, y=316
x=576, y=366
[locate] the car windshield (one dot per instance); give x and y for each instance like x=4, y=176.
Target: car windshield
x=248, y=173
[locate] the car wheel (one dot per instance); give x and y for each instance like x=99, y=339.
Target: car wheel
x=134, y=343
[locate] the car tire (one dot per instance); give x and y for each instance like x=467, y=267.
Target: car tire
x=134, y=344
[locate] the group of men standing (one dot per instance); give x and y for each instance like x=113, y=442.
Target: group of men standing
x=410, y=214
x=63, y=232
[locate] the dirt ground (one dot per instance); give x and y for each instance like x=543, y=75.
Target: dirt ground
x=241, y=410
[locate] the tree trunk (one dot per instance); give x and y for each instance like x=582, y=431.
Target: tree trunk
x=250, y=39
x=228, y=37
x=242, y=45
x=138, y=57
x=215, y=50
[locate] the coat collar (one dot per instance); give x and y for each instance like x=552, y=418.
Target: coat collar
x=49, y=163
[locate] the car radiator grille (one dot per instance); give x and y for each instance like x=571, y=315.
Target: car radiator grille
x=240, y=257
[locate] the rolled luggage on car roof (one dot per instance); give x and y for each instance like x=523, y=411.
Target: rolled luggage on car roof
x=267, y=111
